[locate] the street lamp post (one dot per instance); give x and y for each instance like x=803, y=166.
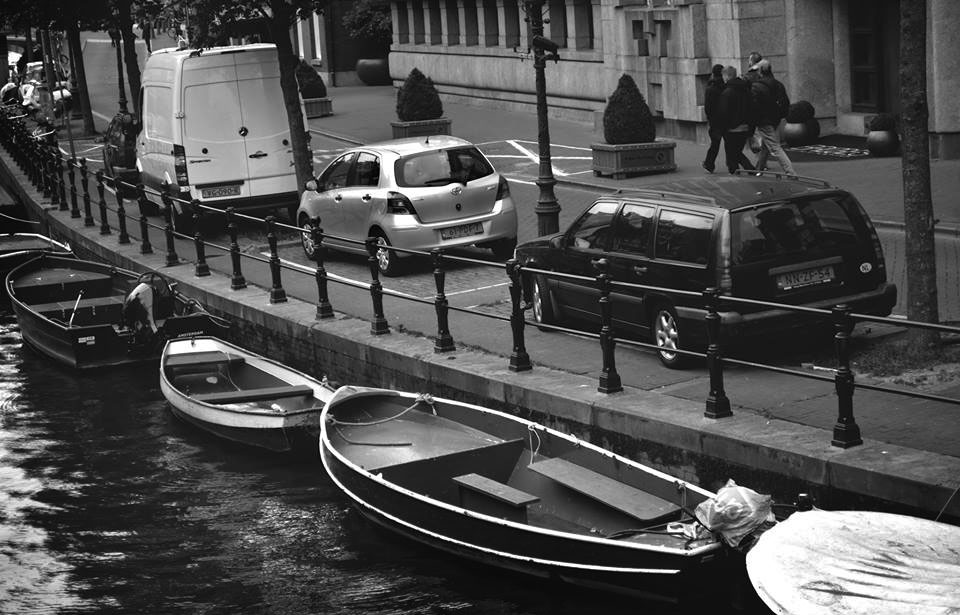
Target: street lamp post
x=547, y=209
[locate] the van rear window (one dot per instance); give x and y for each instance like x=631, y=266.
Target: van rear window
x=441, y=167
x=813, y=228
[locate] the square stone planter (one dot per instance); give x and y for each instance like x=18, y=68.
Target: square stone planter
x=625, y=159
x=318, y=107
x=421, y=128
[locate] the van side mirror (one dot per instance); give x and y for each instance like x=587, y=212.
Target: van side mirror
x=311, y=185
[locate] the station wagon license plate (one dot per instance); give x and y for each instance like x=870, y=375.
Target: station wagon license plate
x=805, y=277
x=219, y=191
x=464, y=230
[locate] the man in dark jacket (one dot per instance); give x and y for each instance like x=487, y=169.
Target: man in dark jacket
x=771, y=104
x=736, y=117
x=711, y=104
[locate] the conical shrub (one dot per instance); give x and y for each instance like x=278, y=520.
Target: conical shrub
x=310, y=82
x=627, y=118
x=418, y=98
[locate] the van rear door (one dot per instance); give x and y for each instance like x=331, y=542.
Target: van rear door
x=212, y=127
x=269, y=153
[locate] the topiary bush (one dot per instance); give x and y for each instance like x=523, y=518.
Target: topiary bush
x=799, y=112
x=627, y=118
x=883, y=121
x=310, y=82
x=418, y=98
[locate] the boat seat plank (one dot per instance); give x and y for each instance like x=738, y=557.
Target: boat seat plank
x=638, y=504
x=232, y=397
x=496, y=490
x=190, y=359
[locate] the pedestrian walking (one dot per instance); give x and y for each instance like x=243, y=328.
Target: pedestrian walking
x=771, y=103
x=736, y=117
x=711, y=104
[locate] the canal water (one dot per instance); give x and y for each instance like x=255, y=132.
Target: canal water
x=109, y=504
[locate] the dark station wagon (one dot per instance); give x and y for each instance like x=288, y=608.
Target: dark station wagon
x=786, y=240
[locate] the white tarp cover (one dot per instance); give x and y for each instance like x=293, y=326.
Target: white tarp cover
x=846, y=562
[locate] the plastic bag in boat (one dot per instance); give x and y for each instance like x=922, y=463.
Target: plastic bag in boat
x=736, y=512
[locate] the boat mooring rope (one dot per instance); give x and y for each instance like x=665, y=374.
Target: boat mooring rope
x=421, y=397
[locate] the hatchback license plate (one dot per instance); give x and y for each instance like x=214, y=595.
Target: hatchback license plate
x=464, y=230
x=805, y=277
x=218, y=191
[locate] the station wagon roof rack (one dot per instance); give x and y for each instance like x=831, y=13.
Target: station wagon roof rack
x=666, y=194
x=813, y=181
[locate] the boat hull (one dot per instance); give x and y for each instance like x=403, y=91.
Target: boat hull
x=88, y=334
x=596, y=562
x=276, y=421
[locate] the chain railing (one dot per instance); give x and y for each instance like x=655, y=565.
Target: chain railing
x=45, y=169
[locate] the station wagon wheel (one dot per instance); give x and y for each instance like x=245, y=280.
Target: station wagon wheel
x=543, y=313
x=665, y=329
x=306, y=237
x=387, y=260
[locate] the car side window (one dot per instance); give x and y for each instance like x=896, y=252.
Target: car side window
x=592, y=230
x=367, y=170
x=634, y=226
x=683, y=236
x=336, y=174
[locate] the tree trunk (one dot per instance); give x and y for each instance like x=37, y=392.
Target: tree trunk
x=922, y=301
x=76, y=52
x=4, y=68
x=280, y=31
x=125, y=25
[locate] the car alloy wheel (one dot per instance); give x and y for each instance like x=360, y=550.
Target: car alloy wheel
x=666, y=335
x=542, y=304
x=386, y=258
x=306, y=238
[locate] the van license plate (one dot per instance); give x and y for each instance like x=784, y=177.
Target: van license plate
x=464, y=230
x=805, y=277
x=217, y=191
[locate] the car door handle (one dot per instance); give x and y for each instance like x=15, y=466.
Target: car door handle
x=366, y=198
x=338, y=198
x=637, y=269
x=258, y=154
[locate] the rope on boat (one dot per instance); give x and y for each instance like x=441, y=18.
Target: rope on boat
x=9, y=217
x=533, y=449
x=421, y=397
x=947, y=503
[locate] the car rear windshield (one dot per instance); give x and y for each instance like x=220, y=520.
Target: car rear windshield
x=813, y=228
x=442, y=167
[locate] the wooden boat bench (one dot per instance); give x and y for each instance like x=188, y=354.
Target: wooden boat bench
x=62, y=285
x=491, y=497
x=233, y=397
x=638, y=504
x=107, y=309
x=199, y=362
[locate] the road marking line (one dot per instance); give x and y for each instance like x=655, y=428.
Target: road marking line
x=586, y=149
x=473, y=290
x=521, y=181
x=533, y=157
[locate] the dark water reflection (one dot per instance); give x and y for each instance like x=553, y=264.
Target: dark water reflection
x=108, y=504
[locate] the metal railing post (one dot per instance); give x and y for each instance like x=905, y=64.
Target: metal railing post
x=200, y=269
x=61, y=183
x=237, y=280
x=277, y=294
x=49, y=190
x=846, y=433
x=71, y=172
x=324, y=309
x=145, y=247
x=85, y=182
x=444, y=342
x=718, y=406
x=102, y=203
x=519, y=359
x=121, y=214
x=609, y=378
x=379, y=325
x=167, y=200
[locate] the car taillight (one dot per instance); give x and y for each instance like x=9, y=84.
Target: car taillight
x=503, y=190
x=724, y=279
x=180, y=165
x=399, y=204
x=875, y=243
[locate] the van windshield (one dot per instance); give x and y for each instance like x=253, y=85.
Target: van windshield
x=815, y=228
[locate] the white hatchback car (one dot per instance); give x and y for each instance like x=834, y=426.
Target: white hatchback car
x=418, y=193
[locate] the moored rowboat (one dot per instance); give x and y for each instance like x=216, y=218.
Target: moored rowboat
x=502, y=490
x=241, y=396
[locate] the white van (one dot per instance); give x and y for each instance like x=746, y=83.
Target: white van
x=213, y=125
